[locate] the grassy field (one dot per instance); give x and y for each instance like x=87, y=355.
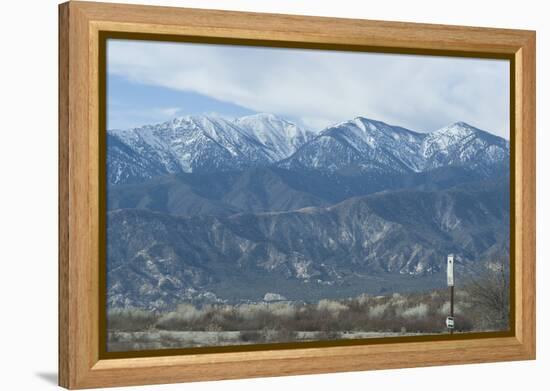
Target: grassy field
x=364, y=316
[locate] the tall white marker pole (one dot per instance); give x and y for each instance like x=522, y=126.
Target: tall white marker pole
x=451, y=284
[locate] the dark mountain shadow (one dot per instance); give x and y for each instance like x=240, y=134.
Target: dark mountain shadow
x=271, y=189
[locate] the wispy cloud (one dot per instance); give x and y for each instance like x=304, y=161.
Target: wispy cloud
x=141, y=116
x=169, y=111
x=319, y=88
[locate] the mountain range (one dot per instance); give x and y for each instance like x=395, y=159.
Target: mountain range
x=200, y=144
x=205, y=208
x=203, y=144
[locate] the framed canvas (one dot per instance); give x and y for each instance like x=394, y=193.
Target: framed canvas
x=246, y=195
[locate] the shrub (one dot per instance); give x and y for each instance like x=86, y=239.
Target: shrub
x=331, y=306
x=378, y=310
x=130, y=319
x=188, y=312
x=489, y=293
x=416, y=312
x=282, y=310
x=283, y=321
x=173, y=321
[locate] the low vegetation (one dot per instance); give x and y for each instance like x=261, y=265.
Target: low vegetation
x=480, y=305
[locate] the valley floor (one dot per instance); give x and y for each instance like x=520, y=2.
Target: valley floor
x=154, y=340
x=268, y=322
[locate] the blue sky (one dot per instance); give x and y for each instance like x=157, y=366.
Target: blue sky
x=151, y=82
x=131, y=104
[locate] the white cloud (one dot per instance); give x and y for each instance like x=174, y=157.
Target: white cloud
x=319, y=88
x=169, y=111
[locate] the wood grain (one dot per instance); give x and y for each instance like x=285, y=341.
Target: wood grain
x=79, y=27
x=526, y=204
x=63, y=200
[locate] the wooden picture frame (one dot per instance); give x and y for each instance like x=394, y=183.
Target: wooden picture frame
x=81, y=364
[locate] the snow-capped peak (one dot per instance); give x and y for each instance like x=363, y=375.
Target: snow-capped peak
x=461, y=142
x=213, y=143
x=361, y=142
x=281, y=137
x=457, y=128
x=203, y=143
x=460, y=132
x=374, y=144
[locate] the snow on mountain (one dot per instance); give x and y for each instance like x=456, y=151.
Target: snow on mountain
x=213, y=144
x=362, y=143
x=279, y=136
x=370, y=145
x=200, y=144
x=459, y=143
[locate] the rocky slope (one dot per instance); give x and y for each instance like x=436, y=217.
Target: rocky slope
x=157, y=259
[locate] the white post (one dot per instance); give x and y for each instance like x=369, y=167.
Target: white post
x=451, y=284
x=450, y=271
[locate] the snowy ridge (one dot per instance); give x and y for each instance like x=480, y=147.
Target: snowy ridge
x=460, y=143
x=209, y=144
x=366, y=144
x=200, y=144
x=279, y=136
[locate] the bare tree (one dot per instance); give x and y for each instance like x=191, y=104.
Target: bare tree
x=489, y=292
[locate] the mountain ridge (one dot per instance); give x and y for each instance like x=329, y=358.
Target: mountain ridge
x=210, y=144
x=263, y=189
x=374, y=145
x=197, y=144
x=320, y=247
